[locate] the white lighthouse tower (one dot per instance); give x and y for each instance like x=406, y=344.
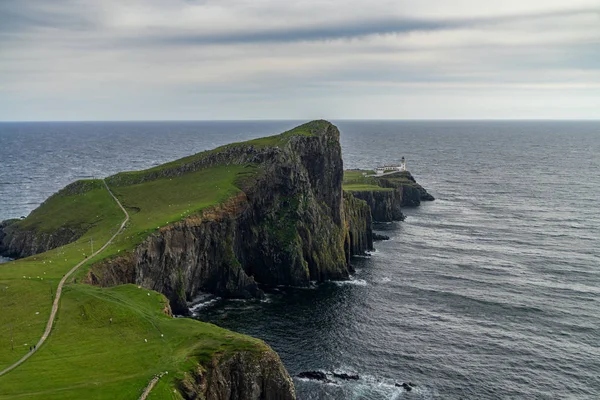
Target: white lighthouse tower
x=403, y=164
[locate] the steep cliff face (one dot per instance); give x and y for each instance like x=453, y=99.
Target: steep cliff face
x=63, y=218
x=288, y=226
x=401, y=190
x=19, y=243
x=385, y=205
x=241, y=376
x=359, y=235
x=409, y=190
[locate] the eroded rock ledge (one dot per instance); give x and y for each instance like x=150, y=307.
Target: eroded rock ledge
x=242, y=376
x=386, y=205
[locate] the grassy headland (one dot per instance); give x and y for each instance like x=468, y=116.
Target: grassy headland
x=87, y=356
x=356, y=181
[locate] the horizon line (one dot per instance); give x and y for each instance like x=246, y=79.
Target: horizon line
x=312, y=119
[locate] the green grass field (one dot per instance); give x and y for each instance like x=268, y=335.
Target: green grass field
x=156, y=203
x=358, y=187
x=27, y=286
x=85, y=356
x=355, y=181
x=88, y=357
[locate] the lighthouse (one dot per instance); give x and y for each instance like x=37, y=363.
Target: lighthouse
x=403, y=164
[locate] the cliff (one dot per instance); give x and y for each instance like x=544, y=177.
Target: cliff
x=16, y=243
x=288, y=224
x=386, y=195
x=411, y=193
x=385, y=206
x=359, y=233
x=241, y=376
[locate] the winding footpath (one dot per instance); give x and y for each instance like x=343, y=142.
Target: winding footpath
x=62, y=283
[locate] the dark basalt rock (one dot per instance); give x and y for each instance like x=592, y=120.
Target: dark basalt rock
x=347, y=377
x=406, y=386
x=242, y=376
x=16, y=242
x=386, y=206
x=377, y=236
x=314, y=375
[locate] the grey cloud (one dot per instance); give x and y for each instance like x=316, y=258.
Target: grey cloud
x=17, y=16
x=347, y=30
x=98, y=58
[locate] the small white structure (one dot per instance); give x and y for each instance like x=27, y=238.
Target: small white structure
x=391, y=168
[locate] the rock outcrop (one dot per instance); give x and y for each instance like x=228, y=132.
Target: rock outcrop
x=411, y=193
x=386, y=205
x=18, y=243
x=359, y=233
x=51, y=225
x=289, y=225
x=244, y=375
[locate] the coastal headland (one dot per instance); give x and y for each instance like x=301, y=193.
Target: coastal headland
x=231, y=221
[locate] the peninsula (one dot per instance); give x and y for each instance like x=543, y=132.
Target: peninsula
x=231, y=221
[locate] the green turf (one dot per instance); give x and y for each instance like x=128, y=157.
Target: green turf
x=356, y=181
x=89, y=357
x=307, y=130
x=358, y=187
x=154, y=204
x=76, y=206
x=27, y=286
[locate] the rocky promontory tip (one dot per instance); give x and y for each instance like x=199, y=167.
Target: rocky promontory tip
x=385, y=193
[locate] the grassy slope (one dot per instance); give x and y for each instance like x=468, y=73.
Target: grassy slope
x=354, y=181
x=27, y=286
x=88, y=357
x=77, y=206
x=84, y=357
x=154, y=204
x=269, y=141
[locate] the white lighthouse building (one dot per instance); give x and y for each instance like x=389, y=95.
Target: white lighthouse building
x=391, y=168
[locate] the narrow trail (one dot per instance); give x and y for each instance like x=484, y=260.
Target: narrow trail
x=151, y=384
x=62, y=283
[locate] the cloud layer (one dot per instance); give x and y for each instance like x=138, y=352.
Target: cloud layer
x=178, y=59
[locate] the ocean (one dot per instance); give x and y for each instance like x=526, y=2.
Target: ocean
x=490, y=292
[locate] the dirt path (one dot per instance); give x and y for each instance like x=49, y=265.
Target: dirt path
x=151, y=384
x=60, y=287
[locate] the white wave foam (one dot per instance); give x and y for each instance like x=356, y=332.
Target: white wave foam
x=201, y=301
x=357, y=282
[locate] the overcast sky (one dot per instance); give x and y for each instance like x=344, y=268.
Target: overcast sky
x=276, y=59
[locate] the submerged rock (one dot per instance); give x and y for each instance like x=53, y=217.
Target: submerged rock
x=314, y=375
x=406, y=386
x=347, y=377
x=377, y=236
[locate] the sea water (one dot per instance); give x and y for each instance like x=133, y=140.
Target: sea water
x=492, y=291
